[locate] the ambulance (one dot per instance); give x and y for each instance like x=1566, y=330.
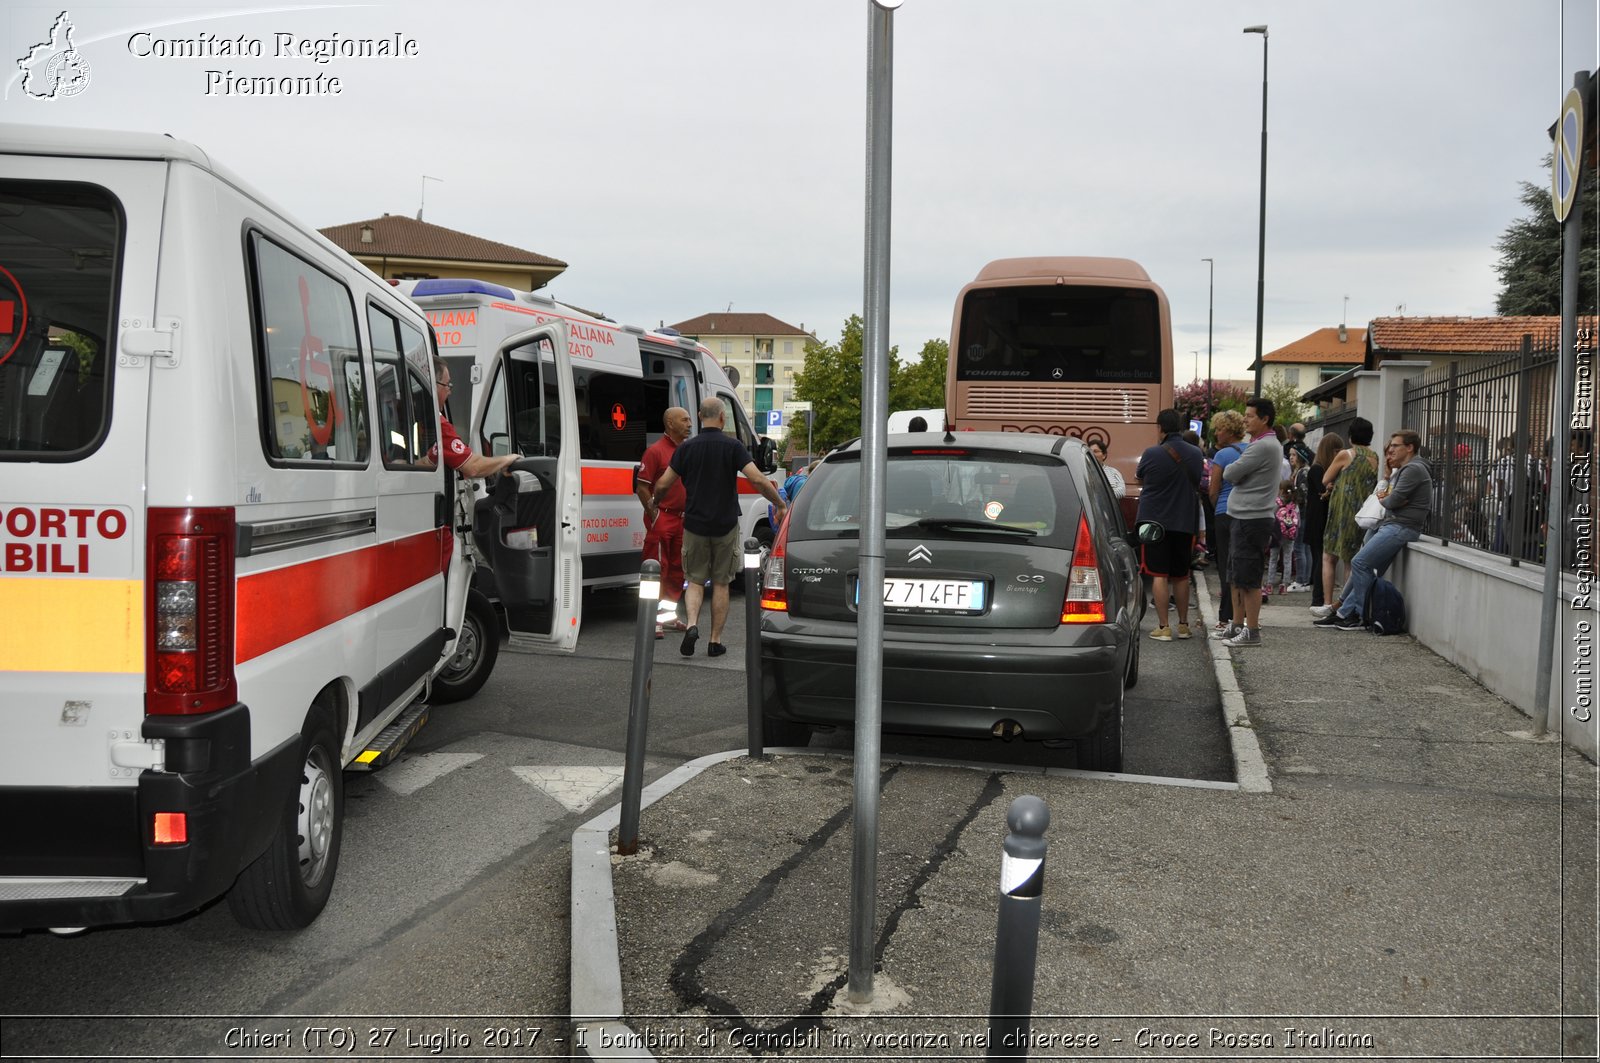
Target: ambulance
x=230, y=567
x=625, y=378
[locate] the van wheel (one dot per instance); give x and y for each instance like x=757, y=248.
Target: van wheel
x=764, y=535
x=288, y=885
x=1102, y=751
x=476, y=650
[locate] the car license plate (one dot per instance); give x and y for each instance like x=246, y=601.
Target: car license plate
x=932, y=595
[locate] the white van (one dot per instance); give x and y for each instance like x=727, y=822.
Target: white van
x=228, y=567
x=625, y=378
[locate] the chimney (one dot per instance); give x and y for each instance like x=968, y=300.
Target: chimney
x=1344, y=336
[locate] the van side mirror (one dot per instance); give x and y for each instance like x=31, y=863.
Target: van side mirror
x=767, y=459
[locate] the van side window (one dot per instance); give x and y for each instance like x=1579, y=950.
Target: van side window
x=736, y=422
x=611, y=421
x=309, y=360
x=62, y=249
x=405, y=428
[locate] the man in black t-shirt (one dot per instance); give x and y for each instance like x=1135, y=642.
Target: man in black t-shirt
x=709, y=465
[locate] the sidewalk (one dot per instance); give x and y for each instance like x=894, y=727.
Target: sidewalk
x=1406, y=877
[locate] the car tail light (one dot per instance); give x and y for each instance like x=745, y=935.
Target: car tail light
x=171, y=828
x=774, y=595
x=189, y=611
x=1084, y=603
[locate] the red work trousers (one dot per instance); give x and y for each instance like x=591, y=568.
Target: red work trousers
x=663, y=542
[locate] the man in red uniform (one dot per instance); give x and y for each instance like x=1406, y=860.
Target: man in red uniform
x=663, y=541
x=457, y=454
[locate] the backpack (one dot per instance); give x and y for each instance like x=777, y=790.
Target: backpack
x=1385, y=608
x=1288, y=520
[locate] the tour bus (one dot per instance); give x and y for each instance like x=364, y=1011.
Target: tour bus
x=1079, y=347
x=230, y=566
x=624, y=377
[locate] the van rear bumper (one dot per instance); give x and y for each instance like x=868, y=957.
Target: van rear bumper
x=65, y=838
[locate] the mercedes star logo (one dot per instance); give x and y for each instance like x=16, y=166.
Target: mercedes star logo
x=921, y=553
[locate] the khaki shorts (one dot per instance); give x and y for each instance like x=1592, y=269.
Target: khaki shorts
x=717, y=558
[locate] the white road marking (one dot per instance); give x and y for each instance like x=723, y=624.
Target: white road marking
x=410, y=774
x=576, y=788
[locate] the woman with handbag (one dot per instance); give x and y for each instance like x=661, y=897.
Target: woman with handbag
x=1349, y=480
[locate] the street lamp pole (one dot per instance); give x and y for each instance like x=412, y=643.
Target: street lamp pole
x=1261, y=251
x=1211, y=290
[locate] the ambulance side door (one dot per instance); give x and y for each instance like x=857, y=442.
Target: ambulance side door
x=528, y=525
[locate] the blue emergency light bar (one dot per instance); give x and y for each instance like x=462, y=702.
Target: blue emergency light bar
x=460, y=286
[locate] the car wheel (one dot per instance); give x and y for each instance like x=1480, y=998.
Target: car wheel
x=1102, y=751
x=476, y=650
x=1131, y=679
x=288, y=885
x=776, y=732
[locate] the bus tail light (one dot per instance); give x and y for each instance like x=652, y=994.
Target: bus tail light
x=774, y=594
x=1084, y=604
x=189, y=570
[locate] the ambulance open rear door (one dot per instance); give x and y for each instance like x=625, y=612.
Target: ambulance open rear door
x=528, y=527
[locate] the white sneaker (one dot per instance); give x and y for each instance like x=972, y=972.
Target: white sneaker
x=1321, y=611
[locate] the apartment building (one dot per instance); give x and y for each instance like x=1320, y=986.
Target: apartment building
x=765, y=353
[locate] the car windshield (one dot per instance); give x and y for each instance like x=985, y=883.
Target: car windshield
x=955, y=490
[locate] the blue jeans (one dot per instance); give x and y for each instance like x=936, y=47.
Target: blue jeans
x=1383, y=545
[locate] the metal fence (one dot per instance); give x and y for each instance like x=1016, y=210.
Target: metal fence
x=1486, y=427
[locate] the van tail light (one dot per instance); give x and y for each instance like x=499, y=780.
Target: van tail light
x=1084, y=604
x=774, y=594
x=189, y=611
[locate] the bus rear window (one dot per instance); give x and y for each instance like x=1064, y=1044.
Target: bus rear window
x=60, y=246
x=1061, y=334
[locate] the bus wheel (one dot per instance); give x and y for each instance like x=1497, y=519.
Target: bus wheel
x=288, y=885
x=476, y=650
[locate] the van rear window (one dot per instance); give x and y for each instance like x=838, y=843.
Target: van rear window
x=60, y=249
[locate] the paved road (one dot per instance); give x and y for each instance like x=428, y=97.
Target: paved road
x=453, y=887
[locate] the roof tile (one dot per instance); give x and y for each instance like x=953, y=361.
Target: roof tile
x=1323, y=347
x=1462, y=335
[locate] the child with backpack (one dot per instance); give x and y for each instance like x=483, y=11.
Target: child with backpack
x=1286, y=527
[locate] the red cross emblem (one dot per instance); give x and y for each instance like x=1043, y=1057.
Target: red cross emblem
x=619, y=417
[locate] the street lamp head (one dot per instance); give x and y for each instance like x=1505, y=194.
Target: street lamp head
x=1256, y=29
x=888, y=5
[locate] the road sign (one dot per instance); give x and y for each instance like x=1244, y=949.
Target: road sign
x=1568, y=158
x=774, y=418
x=792, y=408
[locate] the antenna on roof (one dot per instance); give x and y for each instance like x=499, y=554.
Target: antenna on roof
x=1345, y=313
x=730, y=309
x=424, y=199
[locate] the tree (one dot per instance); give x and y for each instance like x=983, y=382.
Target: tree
x=919, y=385
x=1530, y=253
x=1190, y=400
x=831, y=381
x=1286, y=399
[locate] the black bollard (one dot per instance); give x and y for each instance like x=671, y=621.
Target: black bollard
x=752, y=645
x=1016, y=939
x=644, y=652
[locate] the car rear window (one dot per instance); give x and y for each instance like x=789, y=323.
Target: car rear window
x=60, y=248
x=952, y=491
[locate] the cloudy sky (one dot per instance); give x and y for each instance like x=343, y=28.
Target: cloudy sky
x=685, y=156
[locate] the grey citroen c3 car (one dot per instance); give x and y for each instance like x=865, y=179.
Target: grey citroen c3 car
x=1011, y=596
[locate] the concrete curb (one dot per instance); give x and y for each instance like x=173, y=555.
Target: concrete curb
x=1249, y=766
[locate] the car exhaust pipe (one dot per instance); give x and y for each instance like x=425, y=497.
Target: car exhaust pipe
x=1006, y=730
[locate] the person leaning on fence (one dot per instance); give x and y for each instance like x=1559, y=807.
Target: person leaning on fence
x=1405, y=495
x=1252, y=505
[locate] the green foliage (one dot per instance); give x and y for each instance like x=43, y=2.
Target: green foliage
x=1530, y=253
x=831, y=382
x=1286, y=398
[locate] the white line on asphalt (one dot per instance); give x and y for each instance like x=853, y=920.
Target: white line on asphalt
x=1249, y=766
x=410, y=774
x=575, y=787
